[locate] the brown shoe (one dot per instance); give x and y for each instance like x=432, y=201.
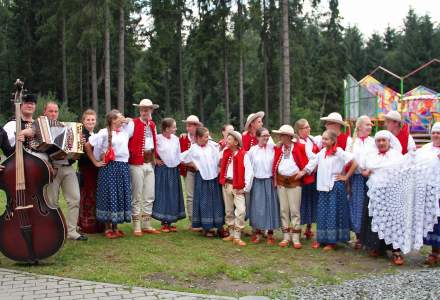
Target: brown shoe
x=284, y=243
x=255, y=239
x=398, y=259
x=222, y=233
x=316, y=245
x=270, y=240
x=228, y=238
x=150, y=231
x=165, y=228
x=330, y=247
x=173, y=228
x=239, y=242
x=297, y=246
x=432, y=259
x=138, y=233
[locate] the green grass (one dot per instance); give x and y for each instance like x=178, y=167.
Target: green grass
x=186, y=261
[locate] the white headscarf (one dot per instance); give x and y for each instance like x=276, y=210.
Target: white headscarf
x=394, y=142
x=436, y=127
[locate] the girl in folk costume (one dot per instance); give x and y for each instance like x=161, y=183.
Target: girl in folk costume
x=89, y=173
x=225, y=129
x=289, y=158
x=253, y=122
x=309, y=194
x=235, y=177
x=168, y=204
x=264, y=210
x=333, y=219
x=335, y=123
x=208, y=205
x=188, y=172
x=113, y=196
x=383, y=157
x=143, y=146
x=432, y=150
x=394, y=124
x=362, y=144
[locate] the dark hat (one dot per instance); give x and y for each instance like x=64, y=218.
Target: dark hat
x=30, y=98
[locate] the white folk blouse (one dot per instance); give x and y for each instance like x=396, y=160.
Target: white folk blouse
x=168, y=150
x=261, y=159
x=205, y=158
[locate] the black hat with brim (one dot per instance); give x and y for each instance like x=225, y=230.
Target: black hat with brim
x=30, y=98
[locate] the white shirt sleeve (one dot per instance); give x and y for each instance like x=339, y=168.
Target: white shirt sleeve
x=129, y=128
x=10, y=131
x=318, y=141
x=309, y=153
x=248, y=174
x=411, y=144
x=312, y=164
x=344, y=155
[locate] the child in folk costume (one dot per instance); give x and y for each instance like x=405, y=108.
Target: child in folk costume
x=335, y=123
x=188, y=172
x=309, y=194
x=168, y=205
x=89, y=173
x=208, y=205
x=264, y=210
x=235, y=177
x=113, y=196
x=333, y=219
x=289, y=158
x=362, y=143
x=253, y=122
x=432, y=150
x=225, y=129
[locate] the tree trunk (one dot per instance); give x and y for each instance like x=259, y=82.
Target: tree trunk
x=81, y=98
x=225, y=65
x=167, y=91
x=266, y=84
x=241, y=72
x=121, y=59
x=107, y=99
x=179, y=35
x=63, y=54
x=94, y=80
x=286, y=62
x=280, y=87
x=88, y=77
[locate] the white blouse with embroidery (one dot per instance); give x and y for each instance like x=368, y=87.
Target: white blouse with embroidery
x=168, y=150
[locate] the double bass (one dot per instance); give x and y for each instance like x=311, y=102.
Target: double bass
x=30, y=230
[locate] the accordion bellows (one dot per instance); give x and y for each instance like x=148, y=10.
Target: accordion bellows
x=60, y=140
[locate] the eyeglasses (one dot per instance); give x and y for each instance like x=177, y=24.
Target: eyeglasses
x=307, y=127
x=265, y=135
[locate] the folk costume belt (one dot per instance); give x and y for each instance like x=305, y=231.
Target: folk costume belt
x=190, y=169
x=228, y=181
x=148, y=156
x=288, y=181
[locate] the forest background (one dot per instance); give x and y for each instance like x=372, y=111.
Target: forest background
x=220, y=60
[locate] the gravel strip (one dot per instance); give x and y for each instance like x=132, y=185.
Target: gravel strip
x=417, y=284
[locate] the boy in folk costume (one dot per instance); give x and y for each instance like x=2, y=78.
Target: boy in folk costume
x=142, y=148
x=289, y=159
x=188, y=172
x=235, y=177
x=394, y=124
x=335, y=123
x=225, y=129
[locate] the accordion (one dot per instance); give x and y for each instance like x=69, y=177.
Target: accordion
x=60, y=140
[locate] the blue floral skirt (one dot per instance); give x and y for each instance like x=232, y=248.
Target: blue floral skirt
x=208, y=204
x=356, y=201
x=113, y=194
x=309, y=203
x=168, y=206
x=333, y=222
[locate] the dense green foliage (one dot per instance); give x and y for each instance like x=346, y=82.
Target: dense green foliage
x=177, y=53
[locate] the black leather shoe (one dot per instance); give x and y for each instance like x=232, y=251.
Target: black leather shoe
x=81, y=238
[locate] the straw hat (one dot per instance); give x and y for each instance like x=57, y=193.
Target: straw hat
x=335, y=118
x=252, y=117
x=146, y=103
x=237, y=136
x=192, y=119
x=285, y=129
x=393, y=115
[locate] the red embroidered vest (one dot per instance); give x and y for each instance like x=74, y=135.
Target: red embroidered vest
x=136, y=143
x=238, y=181
x=248, y=141
x=185, y=144
x=342, y=140
x=300, y=158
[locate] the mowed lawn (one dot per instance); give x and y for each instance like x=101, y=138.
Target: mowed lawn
x=186, y=261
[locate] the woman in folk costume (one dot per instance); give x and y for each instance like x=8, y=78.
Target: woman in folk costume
x=333, y=218
x=236, y=179
x=208, y=205
x=309, y=194
x=362, y=144
x=289, y=159
x=225, y=129
x=188, y=172
x=377, y=162
x=432, y=151
x=335, y=123
x=168, y=204
x=110, y=154
x=395, y=125
x=89, y=173
x=264, y=210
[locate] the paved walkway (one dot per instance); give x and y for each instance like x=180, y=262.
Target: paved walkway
x=16, y=285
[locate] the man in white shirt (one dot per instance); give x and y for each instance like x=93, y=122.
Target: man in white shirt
x=394, y=124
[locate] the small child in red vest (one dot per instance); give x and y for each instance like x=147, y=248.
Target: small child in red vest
x=235, y=177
